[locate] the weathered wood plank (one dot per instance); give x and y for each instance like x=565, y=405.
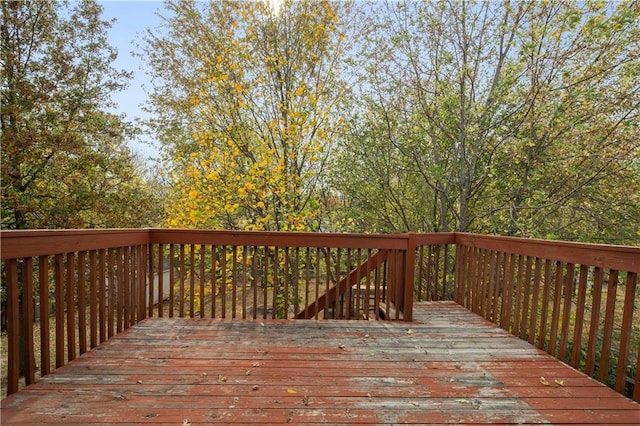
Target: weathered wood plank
x=449, y=366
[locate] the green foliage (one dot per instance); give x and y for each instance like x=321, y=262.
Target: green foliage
x=65, y=163
x=496, y=118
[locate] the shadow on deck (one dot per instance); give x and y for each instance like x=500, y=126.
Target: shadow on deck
x=448, y=366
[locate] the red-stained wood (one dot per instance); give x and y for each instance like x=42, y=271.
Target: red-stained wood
x=82, y=301
x=70, y=288
x=576, y=354
x=43, y=282
x=93, y=299
x=13, y=325
x=592, y=347
x=626, y=331
x=27, y=300
x=534, y=301
x=609, y=317
x=545, y=304
x=609, y=256
x=59, y=297
x=566, y=309
x=102, y=292
x=483, y=281
x=448, y=366
x=17, y=244
x=555, y=311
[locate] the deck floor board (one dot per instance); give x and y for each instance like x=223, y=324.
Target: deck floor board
x=448, y=366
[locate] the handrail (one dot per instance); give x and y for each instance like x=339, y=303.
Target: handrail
x=550, y=293
x=97, y=283
x=373, y=263
x=575, y=301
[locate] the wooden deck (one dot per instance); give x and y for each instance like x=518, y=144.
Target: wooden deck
x=448, y=366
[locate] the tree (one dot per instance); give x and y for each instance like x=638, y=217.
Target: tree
x=246, y=103
x=435, y=86
x=64, y=158
x=512, y=118
x=569, y=170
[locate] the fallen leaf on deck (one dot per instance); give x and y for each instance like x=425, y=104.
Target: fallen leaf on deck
x=186, y=422
x=291, y=391
x=222, y=378
x=559, y=382
x=139, y=382
x=203, y=374
x=409, y=332
x=544, y=381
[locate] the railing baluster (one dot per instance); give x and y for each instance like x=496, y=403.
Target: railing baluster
x=150, y=284
x=182, y=273
x=121, y=286
x=45, y=356
x=576, y=353
x=609, y=317
x=276, y=282
x=172, y=279
x=596, y=301
x=555, y=312
x=307, y=277
x=436, y=270
x=27, y=307
x=626, y=330
x=265, y=282
x=59, y=295
x=82, y=301
x=160, y=280
x=243, y=281
x=126, y=286
x=472, y=281
x=429, y=290
x=296, y=282
x=192, y=280
x=366, y=298
x=111, y=320
x=214, y=279
x=234, y=280
x=103, y=293
x=70, y=296
x=537, y=276
x=203, y=259
x=223, y=284
x=13, y=326
x=254, y=279
x=566, y=310
x=317, y=281
x=545, y=304
x=526, y=298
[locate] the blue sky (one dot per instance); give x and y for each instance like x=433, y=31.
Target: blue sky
x=133, y=17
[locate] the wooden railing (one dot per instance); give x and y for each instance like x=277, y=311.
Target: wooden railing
x=80, y=287
x=578, y=302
